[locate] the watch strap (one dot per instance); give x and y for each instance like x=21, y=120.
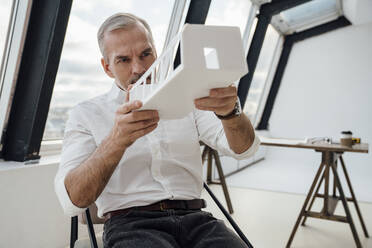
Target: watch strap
x=235, y=112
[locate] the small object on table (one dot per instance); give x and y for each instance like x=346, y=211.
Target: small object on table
x=346, y=138
x=315, y=140
x=356, y=140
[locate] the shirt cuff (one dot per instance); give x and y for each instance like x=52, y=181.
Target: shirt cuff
x=68, y=207
x=248, y=153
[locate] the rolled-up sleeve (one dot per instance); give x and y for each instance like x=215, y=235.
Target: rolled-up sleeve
x=78, y=145
x=211, y=132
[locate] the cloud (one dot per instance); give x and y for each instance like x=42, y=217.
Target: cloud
x=70, y=90
x=69, y=66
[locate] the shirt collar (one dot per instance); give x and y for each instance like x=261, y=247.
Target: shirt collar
x=117, y=94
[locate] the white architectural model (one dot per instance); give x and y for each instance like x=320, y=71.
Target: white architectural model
x=211, y=57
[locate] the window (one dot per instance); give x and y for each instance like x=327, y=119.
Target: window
x=229, y=13
x=261, y=75
x=80, y=75
x=5, y=10
x=13, y=26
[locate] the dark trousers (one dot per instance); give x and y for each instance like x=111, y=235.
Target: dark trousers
x=168, y=228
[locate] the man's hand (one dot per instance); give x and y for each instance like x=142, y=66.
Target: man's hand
x=220, y=100
x=130, y=125
x=87, y=181
x=239, y=131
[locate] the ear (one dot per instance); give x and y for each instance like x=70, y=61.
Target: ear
x=106, y=68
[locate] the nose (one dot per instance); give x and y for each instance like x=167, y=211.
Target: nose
x=138, y=67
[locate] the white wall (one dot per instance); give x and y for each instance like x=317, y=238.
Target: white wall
x=357, y=11
x=30, y=214
x=326, y=88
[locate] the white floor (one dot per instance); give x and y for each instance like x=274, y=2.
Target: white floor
x=267, y=219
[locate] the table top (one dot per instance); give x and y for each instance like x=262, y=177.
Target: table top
x=319, y=145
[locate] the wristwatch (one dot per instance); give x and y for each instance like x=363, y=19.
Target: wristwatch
x=235, y=112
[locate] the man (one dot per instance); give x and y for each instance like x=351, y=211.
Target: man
x=145, y=174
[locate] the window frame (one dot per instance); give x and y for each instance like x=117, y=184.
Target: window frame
x=268, y=81
x=11, y=60
x=34, y=83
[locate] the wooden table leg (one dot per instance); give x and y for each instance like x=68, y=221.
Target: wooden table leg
x=314, y=196
x=326, y=193
x=305, y=204
x=354, y=198
x=334, y=184
x=344, y=202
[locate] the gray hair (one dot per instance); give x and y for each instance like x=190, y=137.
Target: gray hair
x=118, y=21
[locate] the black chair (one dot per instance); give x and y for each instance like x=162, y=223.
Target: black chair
x=92, y=236
x=210, y=154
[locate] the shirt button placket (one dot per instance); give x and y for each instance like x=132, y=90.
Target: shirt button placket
x=155, y=154
x=156, y=141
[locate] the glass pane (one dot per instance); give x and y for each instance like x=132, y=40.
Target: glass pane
x=229, y=13
x=261, y=73
x=80, y=75
x=5, y=9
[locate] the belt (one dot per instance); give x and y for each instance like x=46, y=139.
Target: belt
x=162, y=205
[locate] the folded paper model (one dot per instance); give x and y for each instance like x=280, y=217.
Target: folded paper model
x=210, y=57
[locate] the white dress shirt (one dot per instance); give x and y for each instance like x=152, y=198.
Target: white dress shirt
x=164, y=164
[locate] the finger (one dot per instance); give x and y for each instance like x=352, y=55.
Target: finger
x=133, y=127
x=207, y=108
x=142, y=115
x=128, y=107
x=223, y=92
x=219, y=111
x=142, y=132
x=215, y=102
x=128, y=128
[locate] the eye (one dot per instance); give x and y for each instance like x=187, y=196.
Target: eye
x=124, y=60
x=145, y=54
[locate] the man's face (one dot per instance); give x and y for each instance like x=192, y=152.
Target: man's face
x=129, y=53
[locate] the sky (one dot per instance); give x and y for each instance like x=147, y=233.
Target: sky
x=80, y=75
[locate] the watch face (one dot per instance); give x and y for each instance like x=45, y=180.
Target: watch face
x=238, y=107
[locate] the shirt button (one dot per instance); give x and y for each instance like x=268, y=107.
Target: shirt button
x=156, y=173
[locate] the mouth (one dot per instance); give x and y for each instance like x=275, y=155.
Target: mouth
x=148, y=80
